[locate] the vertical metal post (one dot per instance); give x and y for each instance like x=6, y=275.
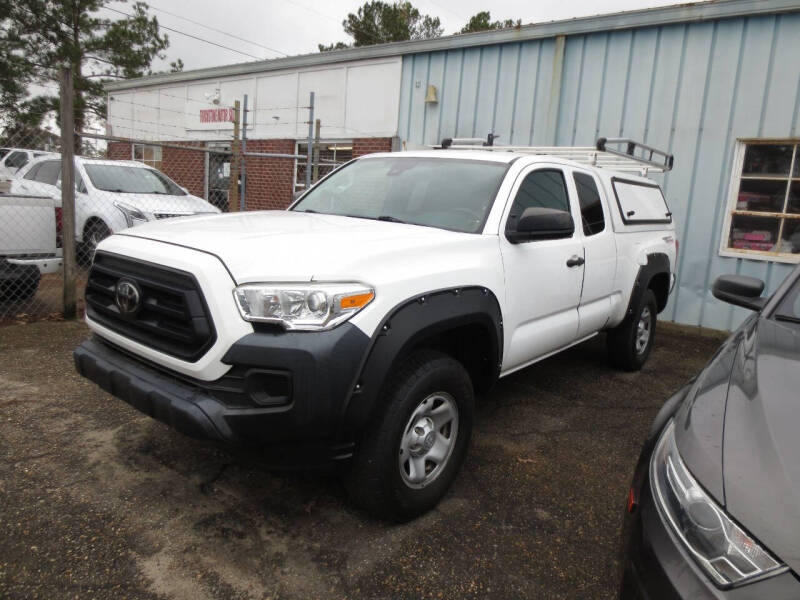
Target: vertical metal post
x=317, y=127
x=68, y=192
x=244, y=160
x=233, y=183
x=310, y=139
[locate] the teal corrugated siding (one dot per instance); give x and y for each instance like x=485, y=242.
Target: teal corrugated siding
x=693, y=88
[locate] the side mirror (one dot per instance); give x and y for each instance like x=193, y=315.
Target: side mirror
x=740, y=291
x=537, y=223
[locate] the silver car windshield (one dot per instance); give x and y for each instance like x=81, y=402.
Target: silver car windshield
x=122, y=179
x=436, y=192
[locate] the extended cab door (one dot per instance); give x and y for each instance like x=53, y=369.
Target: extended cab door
x=600, y=248
x=542, y=290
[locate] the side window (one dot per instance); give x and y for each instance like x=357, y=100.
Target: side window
x=16, y=160
x=32, y=173
x=544, y=188
x=591, y=206
x=49, y=172
x=80, y=185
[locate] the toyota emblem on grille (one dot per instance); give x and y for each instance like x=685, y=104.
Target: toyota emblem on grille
x=128, y=296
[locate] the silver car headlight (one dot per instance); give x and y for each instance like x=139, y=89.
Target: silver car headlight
x=302, y=306
x=726, y=552
x=132, y=214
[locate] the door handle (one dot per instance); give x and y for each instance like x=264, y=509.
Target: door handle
x=575, y=261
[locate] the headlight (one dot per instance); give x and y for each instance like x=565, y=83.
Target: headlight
x=728, y=554
x=311, y=306
x=130, y=213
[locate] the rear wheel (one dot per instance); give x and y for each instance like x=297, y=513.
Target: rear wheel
x=410, y=454
x=630, y=342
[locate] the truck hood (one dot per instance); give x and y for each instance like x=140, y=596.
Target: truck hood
x=294, y=246
x=761, y=454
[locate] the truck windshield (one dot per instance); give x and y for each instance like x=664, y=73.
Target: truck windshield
x=436, y=192
x=123, y=179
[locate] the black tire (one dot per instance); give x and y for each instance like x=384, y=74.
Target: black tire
x=375, y=482
x=623, y=342
x=93, y=234
x=22, y=289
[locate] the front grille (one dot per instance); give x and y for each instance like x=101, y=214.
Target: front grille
x=172, y=316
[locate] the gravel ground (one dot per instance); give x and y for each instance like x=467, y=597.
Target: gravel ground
x=99, y=501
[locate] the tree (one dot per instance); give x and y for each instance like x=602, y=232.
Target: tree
x=378, y=22
x=482, y=21
x=38, y=36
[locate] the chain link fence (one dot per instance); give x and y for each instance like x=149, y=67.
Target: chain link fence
x=30, y=243
x=122, y=182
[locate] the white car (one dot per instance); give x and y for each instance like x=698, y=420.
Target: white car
x=13, y=160
x=361, y=321
x=111, y=195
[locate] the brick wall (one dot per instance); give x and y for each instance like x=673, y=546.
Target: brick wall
x=363, y=146
x=119, y=150
x=185, y=167
x=269, y=180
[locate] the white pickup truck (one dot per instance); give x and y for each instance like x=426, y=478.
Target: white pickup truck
x=29, y=243
x=362, y=321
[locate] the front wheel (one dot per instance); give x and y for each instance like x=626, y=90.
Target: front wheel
x=630, y=342
x=95, y=232
x=411, y=453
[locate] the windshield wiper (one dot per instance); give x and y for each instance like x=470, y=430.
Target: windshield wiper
x=388, y=218
x=787, y=318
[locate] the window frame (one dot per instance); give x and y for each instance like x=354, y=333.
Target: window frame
x=153, y=163
x=733, y=195
x=599, y=188
x=572, y=201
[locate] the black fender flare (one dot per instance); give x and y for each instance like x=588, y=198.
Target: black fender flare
x=657, y=263
x=411, y=322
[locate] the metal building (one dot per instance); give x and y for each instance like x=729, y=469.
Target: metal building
x=701, y=80
x=716, y=83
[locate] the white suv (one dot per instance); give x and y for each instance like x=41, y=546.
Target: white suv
x=362, y=321
x=111, y=195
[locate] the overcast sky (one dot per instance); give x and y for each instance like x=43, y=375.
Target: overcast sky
x=291, y=27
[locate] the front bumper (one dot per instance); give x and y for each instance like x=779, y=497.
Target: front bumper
x=656, y=566
x=283, y=388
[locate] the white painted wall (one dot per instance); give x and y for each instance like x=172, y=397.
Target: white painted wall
x=357, y=99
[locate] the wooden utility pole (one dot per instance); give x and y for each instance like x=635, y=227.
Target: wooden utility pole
x=68, y=193
x=233, y=189
x=317, y=127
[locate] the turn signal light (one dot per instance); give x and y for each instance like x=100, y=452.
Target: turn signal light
x=357, y=300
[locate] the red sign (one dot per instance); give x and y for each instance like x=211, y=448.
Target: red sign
x=216, y=115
